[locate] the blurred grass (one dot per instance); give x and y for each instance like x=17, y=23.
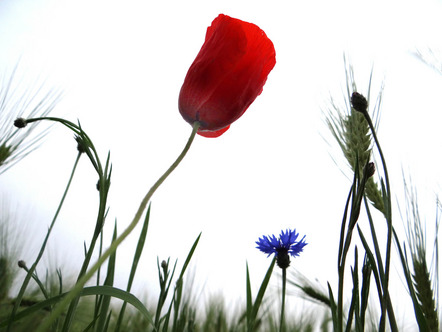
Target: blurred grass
x=192, y=315
x=18, y=100
x=425, y=284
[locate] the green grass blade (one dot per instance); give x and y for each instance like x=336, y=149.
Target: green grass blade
x=177, y=304
x=382, y=290
x=176, y=300
x=136, y=259
x=109, y=281
x=354, y=304
x=167, y=281
x=43, y=246
x=260, y=295
x=420, y=319
x=189, y=256
x=365, y=290
x=179, y=284
x=333, y=308
x=249, y=296
x=344, y=222
x=87, y=291
x=372, y=262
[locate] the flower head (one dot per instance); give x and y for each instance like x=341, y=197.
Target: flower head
x=226, y=76
x=283, y=247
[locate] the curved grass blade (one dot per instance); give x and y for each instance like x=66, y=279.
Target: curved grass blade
x=260, y=296
x=109, y=281
x=87, y=291
x=137, y=255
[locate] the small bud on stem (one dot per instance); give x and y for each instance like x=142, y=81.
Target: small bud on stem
x=22, y=264
x=20, y=123
x=370, y=169
x=81, y=147
x=359, y=102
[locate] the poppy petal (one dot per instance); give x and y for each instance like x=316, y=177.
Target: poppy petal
x=227, y=75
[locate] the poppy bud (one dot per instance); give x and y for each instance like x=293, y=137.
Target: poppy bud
x=359, y=102
x=227, y=75
x=370, y=169
x=81, y=145
x=20, y=123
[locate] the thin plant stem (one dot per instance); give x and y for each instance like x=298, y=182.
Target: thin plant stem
x=343, y=255
x=284, y=281
x=356, y=193
x=114, y=245
x=103, y=187
x=39, y=283
x=43, y=247
x=389, y=223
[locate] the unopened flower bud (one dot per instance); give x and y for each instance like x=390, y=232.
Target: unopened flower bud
x=164, y=264
x=20, y=123
x=81, y=147
x=370, y=169
x=359, y=102
x=22, y=264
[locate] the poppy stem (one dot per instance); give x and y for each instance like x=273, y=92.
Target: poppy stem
x=114, y=245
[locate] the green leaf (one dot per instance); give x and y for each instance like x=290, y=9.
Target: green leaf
x=109, y=281
x=249, y=296
x=87, y=291
x=333, y=308
x=420, y=319
x=260, y=296
x=136, y=259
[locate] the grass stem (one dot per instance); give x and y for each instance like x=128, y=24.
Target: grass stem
x=43, y=247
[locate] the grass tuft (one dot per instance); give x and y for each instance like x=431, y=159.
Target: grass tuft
x=18, y=101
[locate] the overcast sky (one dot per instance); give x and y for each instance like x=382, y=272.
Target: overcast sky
x=121, y=68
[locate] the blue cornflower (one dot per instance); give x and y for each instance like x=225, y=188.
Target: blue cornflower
x=283, y=247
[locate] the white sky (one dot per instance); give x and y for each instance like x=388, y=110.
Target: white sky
x=121, y=67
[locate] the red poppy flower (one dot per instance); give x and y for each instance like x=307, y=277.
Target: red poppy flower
x=227, y=75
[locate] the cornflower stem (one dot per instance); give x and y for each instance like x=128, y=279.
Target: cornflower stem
x=30, y=272
x=284, y=281
x=114, y=245
x=388, y=217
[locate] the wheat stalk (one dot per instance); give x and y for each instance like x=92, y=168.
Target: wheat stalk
x=422, y=279
x=352, y=133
